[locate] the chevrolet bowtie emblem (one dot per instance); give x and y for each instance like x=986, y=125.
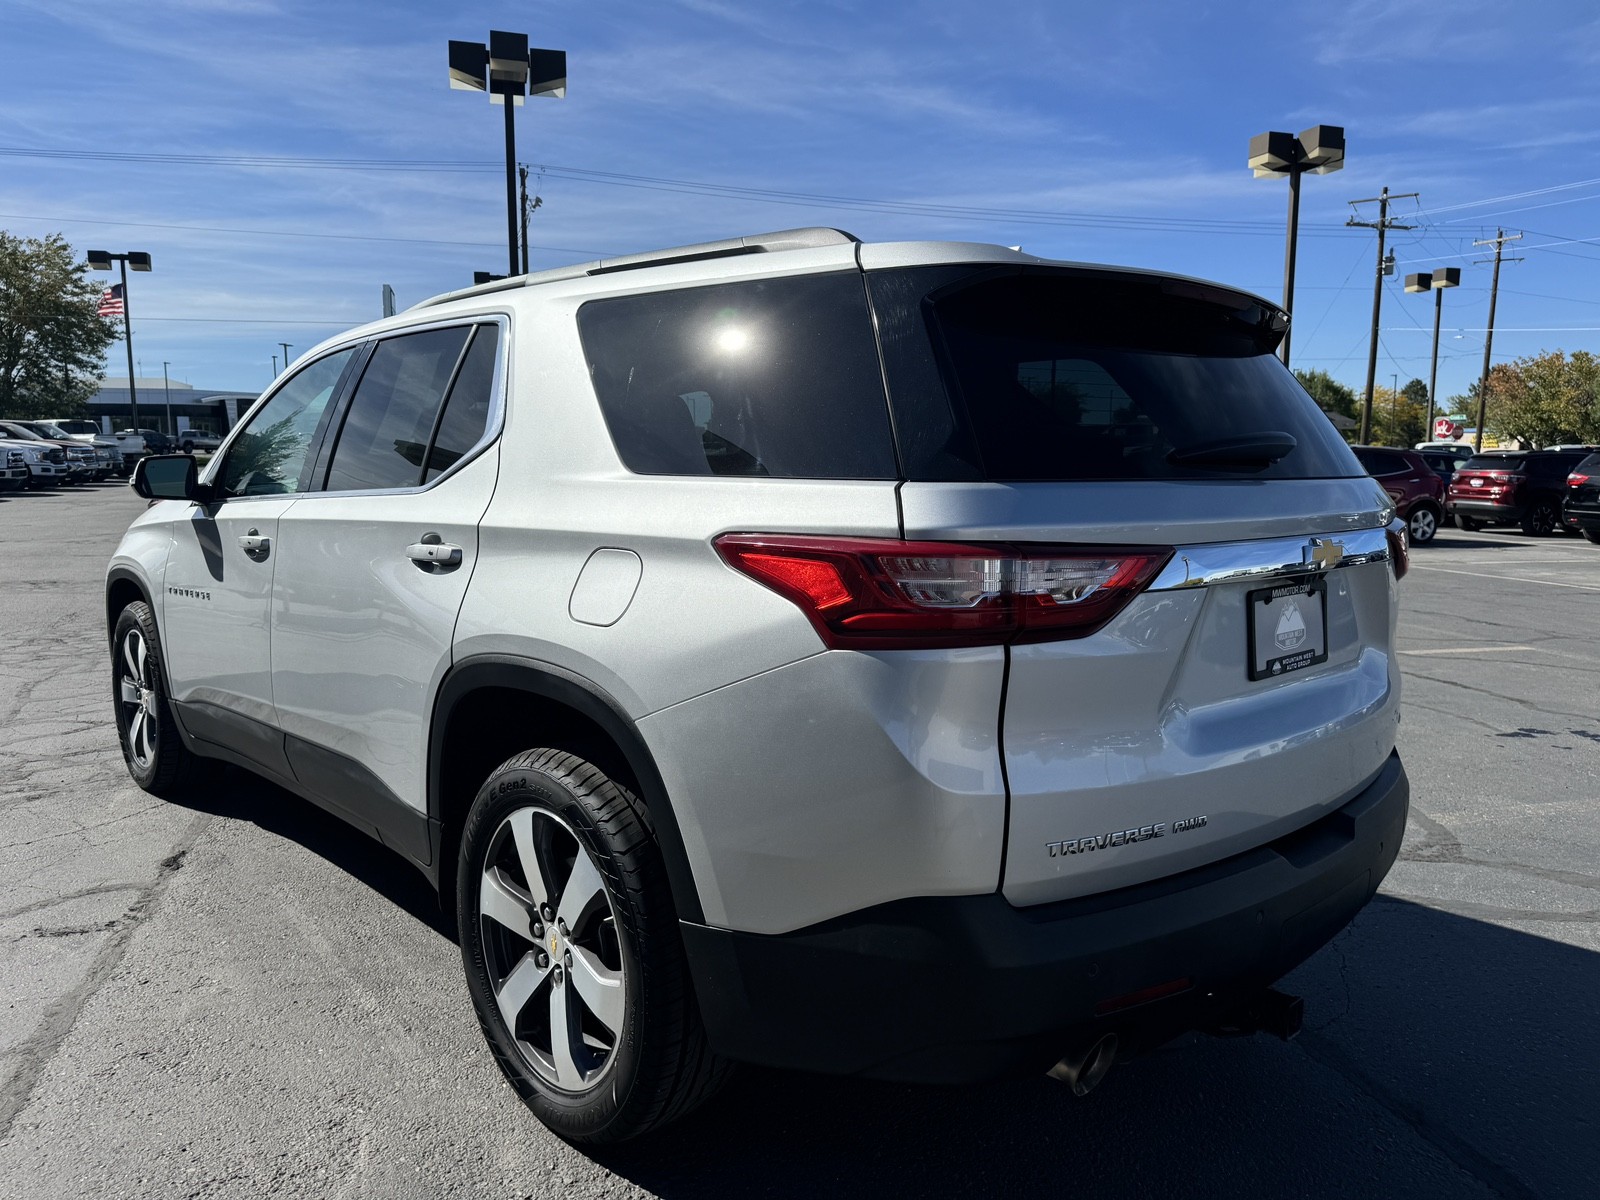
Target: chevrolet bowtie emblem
x=1325, y=553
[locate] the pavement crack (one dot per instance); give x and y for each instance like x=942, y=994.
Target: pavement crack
x=1493, y=1175
x=33, y=1055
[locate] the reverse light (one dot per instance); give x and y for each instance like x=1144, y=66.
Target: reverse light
x=1576, y=480
x=882, y=593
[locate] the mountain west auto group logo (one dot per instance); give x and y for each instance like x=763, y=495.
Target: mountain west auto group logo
x=1291, y=632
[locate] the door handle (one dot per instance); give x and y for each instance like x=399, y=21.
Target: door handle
x=253, y=543
x=433, y=552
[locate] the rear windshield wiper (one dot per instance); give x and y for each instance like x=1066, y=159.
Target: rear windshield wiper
x=1250, y=450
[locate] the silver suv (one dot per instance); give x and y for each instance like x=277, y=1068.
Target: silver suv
x=921, y=661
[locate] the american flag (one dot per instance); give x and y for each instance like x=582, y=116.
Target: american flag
x=111, y=301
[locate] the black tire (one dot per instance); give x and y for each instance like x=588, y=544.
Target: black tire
x=638, y=1058
x=1592, y=534
x=1541, y=520
x=1422, y=524
x=151, y=746
x=1470, y=524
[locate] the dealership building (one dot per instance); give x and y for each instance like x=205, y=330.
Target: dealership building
x=167, y=406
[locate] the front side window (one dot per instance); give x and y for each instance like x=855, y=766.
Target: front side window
x=390, y=424
x=773, y=377
x=268, y=456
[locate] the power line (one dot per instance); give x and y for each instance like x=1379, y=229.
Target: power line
x=288, y=233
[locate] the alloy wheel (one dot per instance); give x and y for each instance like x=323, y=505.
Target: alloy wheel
x=137, y=695
x=1423, y=525
x=549, y=935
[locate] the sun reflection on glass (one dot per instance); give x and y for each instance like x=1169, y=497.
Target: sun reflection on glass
x=732, y=339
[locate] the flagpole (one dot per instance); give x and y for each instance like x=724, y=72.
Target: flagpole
x=127, y=336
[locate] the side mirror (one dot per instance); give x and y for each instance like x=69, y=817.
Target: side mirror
x=167, y=477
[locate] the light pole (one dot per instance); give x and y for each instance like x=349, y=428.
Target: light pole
x=1319, y=150
x=1442, y=277
x=285, y=346
x=508, y=71
x=101, y=260
x=166, y=386
x=274, y=366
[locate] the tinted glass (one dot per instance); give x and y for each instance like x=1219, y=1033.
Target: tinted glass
x=774, y=377
x=466, y=412
x=267, y=456
x=1496, y=462
x=1589, y=466
x=390, y=420
x=1068, y=375
x=1381, y=462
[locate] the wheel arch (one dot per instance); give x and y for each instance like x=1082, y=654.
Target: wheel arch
x=123, y=587
x=490, y=707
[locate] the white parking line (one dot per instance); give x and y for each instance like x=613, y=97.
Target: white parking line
x=1582, y=587
x=1471, y=650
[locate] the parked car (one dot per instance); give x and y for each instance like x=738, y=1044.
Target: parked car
x=46, y=463
x=1512, y=487
x=1581, y=506
x=1459, y=449
x=190, y=440
x=14, y=471
x=78, y=458
x=1417, y=492
x=155, y=442
x=129, y=445
x=1445, y=463
x=107, y=457
x=693, y=716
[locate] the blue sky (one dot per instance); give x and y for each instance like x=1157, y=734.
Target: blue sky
x=1105, y=133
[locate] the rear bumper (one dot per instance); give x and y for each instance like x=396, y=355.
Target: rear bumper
x=955, y=989
x=1489, y=514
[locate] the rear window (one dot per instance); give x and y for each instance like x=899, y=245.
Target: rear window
x=1060, y=375
x=1589, y=466
x=774, y=377
x=1496, y=462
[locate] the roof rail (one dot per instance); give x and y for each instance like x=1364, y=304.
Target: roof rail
x=809, y=238
x=760, y=243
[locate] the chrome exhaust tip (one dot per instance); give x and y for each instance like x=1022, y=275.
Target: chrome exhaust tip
x=1083, y=1071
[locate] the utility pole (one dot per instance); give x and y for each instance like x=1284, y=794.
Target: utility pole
x=1498, y=242
x=1383, y=224
x=522, y=176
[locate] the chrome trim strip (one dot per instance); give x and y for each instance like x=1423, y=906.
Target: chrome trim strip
x=1230, y=562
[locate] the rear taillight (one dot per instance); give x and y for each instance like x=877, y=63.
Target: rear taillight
x=883, y=594
x=1576, y=480
x=1399, y=547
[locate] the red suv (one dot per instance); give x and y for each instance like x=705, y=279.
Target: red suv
x=1414, y=486
x=1513, y=487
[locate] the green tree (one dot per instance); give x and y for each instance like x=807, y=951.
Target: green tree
x=52, y=342
x=1400, y=418
x=1333, y=398
x=1545, y=398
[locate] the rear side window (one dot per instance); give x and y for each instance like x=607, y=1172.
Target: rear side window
x=466, y=412
x=774, y=377
x=1381, y=462
x=391, y=417
x=1068, y=375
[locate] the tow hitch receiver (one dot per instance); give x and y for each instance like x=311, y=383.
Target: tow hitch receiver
x=1268, y=1011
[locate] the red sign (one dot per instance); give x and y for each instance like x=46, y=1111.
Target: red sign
x=1445, y=430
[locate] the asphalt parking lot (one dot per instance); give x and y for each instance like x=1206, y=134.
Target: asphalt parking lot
x=245, y=997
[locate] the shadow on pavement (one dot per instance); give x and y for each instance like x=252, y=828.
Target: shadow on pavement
x=241, y=796
x=1443, y=1056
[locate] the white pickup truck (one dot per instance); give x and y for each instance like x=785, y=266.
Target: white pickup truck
x=130, y=445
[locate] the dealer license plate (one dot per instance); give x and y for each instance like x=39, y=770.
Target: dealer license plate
x=1288, y=627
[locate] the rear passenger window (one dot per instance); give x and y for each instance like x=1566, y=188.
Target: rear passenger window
x=466, y=413
x=390, y=421
x=776, y=377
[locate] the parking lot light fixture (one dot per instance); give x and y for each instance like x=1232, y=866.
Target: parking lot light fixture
x=1317, y=151
x=509, y=71
x=1422, y=281
x=101, y=260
